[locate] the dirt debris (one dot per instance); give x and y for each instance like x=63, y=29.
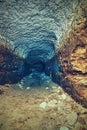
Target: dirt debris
x=20, y=109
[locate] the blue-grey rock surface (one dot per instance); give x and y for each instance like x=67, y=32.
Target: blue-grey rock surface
x=34, y=29
x=23, y=23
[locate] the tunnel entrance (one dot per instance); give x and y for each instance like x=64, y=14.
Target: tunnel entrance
x=40, y=66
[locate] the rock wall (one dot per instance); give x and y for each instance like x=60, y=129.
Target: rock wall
x=12, y=67
x=33, y=22
x=74, y=58
x=45, y=38
x=33, y=30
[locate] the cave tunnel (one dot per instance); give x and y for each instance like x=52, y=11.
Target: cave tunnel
x=32, y=36
x=41, y=43
x=37, y=69
x=43, y=64
x=39, y=60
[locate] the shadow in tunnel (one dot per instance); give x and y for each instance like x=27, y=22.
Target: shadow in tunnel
x=38, y=73
x=12, y=67
x=39, y=53
x=40, y=68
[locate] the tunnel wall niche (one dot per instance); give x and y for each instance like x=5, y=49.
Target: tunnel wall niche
x=43, y=64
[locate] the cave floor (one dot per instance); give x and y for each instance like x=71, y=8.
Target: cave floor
x=40, y=109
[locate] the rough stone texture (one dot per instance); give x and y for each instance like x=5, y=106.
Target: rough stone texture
x=33, y=30
x=34, y=21
x=51, y=38
x=74, y=59
x=11, y=66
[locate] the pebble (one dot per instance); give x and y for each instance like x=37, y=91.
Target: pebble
x=47, y=88
x=28, y=88
x=54, y=87
x=63, y=96
x=64, y=128
x=72, y=118
x=58, y=91
x=43, y=105
x=20, y=86
x=52, y=103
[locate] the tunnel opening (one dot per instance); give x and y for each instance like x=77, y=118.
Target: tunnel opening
x=37, y=60
x=41, y=67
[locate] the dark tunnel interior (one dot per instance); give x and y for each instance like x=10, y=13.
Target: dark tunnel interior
x=32, y=32
x=37, y=69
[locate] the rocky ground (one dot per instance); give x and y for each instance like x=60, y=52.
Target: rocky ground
x=48, y=108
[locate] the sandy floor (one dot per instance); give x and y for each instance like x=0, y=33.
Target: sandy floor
x=40, y=109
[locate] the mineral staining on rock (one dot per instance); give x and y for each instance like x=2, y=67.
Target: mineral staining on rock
x=48, y=42
x=74, y=62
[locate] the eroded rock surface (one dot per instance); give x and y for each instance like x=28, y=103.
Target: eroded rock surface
x=51, y=39
x=33, y=30
x=74, y=61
